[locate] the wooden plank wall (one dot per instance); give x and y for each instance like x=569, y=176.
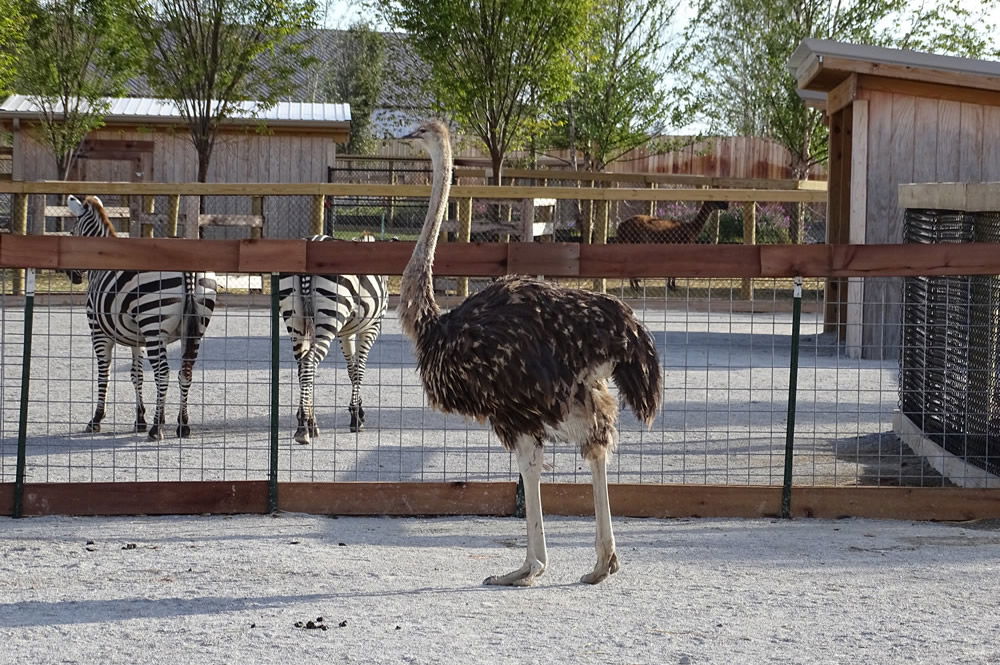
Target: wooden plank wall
x=916, y=139
x=238, y=157
x=726, y=156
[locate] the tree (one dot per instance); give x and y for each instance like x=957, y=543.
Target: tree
x=494, y=63
x=217, y=58
x=357, y=77
x=745, y=86
x=619, y=102
x=13, y=26
x=77, y=53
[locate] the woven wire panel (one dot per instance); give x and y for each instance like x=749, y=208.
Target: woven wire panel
x=950, y=342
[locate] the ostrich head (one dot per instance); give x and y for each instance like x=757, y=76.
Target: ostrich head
x=433, y=134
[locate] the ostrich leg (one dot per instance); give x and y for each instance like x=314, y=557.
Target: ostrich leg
x=529, y=460
x=607, y=560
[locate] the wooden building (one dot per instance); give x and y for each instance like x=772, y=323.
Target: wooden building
x=146, y=140
x=896, y=116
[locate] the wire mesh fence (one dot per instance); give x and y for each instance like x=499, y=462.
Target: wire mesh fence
x=725, y=359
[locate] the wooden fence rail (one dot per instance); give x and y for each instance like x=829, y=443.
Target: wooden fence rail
x=415, y=191
x=491, y=259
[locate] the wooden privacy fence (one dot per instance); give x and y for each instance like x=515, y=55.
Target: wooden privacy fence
x=494, y=498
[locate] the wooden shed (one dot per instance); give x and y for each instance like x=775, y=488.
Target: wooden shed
x=896, y=116
x=146, y=140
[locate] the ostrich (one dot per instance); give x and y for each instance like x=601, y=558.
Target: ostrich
x=534, y=360
x=647, y=229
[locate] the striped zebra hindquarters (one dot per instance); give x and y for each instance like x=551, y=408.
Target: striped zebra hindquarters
x=318, y=308
x=143, y=310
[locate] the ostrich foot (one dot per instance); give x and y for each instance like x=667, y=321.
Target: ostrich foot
x=523, y=576
x=602, y=570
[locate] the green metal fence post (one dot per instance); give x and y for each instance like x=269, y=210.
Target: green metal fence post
x=22, y=421
x=793, y=375
x=272, y=485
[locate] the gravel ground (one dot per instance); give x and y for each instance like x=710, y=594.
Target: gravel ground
x=307, y=589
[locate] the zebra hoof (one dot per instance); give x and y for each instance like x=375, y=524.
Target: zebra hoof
x=302, y=436
x=183, y=431
x=155, y=433
x=140, y=427
x=92, y=427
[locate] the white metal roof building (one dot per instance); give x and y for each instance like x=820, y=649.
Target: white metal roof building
x=139, y=110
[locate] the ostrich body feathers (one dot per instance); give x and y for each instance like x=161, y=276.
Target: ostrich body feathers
x=531, y=357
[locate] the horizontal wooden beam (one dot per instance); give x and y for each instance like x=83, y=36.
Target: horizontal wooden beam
x=156, y=498
x=498, y=498
x=413, y=191
x=492, y=259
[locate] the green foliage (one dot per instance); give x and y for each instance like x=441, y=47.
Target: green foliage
x=744, y=83
x=495, y=64
x=773, y=226
x=13, y=26
x=76, y=54
x=619, y=102
x=219, y=57
x=357, y=79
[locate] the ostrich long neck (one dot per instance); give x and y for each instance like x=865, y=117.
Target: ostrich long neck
x=417, y=306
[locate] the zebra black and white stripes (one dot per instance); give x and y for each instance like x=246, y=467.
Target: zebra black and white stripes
x=317, y=308
x=142, y=309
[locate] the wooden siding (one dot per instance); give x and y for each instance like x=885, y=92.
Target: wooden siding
x=722, y=157
x=916, y=139
x=238, y=157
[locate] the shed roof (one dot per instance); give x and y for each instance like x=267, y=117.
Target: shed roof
x=820, y=64
x=148, y=110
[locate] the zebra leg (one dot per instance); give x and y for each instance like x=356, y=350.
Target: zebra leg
x=157, y=354
x=347, y=345
x=306, y=428
x=184, y=380
x=140, y=408
x=102, y=351
x=357, y=362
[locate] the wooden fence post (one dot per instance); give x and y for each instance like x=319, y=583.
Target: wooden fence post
x=318, y=210
x=257, y=208
x=173, y=214
x=601, y=237
x=20, y=227
x=464, y=235
x=749, y=238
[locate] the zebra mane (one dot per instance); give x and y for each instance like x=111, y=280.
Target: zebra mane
x=96, y=204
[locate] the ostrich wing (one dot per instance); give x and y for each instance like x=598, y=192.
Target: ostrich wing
x=519, y=351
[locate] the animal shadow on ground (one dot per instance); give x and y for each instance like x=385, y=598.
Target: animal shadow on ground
x=884, y=460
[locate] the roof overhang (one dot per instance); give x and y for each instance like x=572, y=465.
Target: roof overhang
x=822, y=65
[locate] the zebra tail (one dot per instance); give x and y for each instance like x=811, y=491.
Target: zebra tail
x=192, y=318
x=638, y=375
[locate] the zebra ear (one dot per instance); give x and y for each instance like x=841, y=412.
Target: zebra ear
x=74, y=205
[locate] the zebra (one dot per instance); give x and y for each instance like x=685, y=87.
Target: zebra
x=140, y=309
x=317, y=308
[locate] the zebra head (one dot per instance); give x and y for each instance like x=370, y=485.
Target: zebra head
x=91, y=221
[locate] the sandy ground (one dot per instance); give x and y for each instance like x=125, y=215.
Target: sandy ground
x=722, y=421
x=244, y=589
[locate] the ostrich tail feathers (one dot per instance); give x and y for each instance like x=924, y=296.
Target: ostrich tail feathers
x=638, y=375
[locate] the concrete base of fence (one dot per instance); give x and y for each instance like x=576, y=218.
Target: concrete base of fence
x=411, y=499
x=952, y=467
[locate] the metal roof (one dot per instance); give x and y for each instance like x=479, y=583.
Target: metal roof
x=164, y=111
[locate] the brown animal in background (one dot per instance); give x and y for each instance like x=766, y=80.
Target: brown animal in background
x=647, y=229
